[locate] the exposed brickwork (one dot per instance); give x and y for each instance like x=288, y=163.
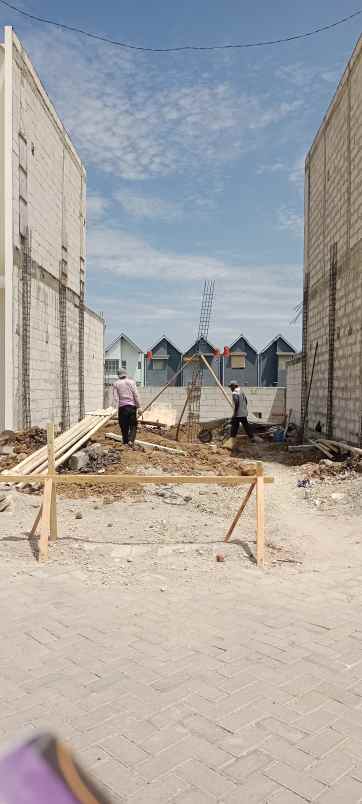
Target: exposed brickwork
x=333, y=208
x=54, y=190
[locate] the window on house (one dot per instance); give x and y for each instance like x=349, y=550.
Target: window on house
x=139, y=365
x=237, y=361
x=158, y=364
x=124, y=364
x=111, y=366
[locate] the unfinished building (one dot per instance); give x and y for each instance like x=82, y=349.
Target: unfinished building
x=51, y=344
x=332, y=309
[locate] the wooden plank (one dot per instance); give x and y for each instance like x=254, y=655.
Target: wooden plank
x=218, y=383
x=323, y=449
x=45, y=519
x=53, y=531
x=240, y=511
x=37, y=457
x=129, y=480
x=74, y=439
x=37, y=519
x=50, y=450
x=342, y=445
x=39, y=461
x=147, y=444
x=260, y=516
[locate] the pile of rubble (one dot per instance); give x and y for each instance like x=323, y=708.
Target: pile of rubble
x=326, y=469
x=91, y=459
x=14, y=447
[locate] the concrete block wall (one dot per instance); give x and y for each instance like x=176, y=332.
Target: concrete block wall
x=47, y=185
x=294, y=389
x=333, y=206
x=93, y=360
x=55, y=175
x=45, y=389
x=270, y=402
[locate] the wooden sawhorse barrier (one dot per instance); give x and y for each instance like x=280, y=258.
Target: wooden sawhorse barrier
x=46, y=527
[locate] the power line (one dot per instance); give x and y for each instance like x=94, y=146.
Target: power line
x=127, y=46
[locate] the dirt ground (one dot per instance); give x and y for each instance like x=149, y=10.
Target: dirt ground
x=167, y=535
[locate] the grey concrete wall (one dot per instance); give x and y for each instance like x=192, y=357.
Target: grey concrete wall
x=270, y=402
x=333, y=216
x=294, y=389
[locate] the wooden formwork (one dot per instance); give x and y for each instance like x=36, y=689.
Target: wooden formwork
x=46, y=524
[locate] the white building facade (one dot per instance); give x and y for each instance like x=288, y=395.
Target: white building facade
x=123, y=353
x=51, y=344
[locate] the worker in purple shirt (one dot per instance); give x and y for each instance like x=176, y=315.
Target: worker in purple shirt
x=125, y=396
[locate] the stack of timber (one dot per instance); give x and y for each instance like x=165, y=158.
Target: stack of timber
x=64, y=445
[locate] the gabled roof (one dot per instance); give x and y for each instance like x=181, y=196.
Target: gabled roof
x=166, y=338
x=292, y=349
x=126, y=338
x=196, y=341
x=246, y=341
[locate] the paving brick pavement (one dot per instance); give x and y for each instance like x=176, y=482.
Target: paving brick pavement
x=250, y=691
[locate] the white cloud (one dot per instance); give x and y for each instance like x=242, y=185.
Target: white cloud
x=97, y=205
x=273, y=167
x=163, y=291
x=289, y=220
x=305, y=76
x=132, y=117
x=123, y=254
x=147, y=207
x=296, y=173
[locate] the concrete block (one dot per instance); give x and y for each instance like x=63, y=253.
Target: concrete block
x=79, y=460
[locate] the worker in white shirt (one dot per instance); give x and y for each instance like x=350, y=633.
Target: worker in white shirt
x=127, y=401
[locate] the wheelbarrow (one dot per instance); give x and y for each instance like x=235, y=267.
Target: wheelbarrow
x=208, y=429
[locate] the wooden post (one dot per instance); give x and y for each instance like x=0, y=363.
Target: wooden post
x=182, y=413
x=260, y=519
x=36, y=521
x=240, y=511
x=45, y=520
x=218, y=383
x=53, y=527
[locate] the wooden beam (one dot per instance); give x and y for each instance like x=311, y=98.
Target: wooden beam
x=147, y=444
x=36, y=521
x=240, y=511
x=260, y=516
x=129, y=480
x=164, y=387
x=218, y=383
x=45, y=519
x=342, y=445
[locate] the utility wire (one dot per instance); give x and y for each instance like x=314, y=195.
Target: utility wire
x=126, y=45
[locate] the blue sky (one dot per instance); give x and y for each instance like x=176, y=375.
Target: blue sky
x=194, y=160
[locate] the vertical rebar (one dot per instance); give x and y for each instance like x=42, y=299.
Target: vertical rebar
x=25, y=330
x=193, y=422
